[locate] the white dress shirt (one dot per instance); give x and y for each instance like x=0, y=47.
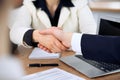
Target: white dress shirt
x=76, y=43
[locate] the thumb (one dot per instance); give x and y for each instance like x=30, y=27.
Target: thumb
x=50, y=31
x=60, y=28
x=59, y=34
x=46, y=32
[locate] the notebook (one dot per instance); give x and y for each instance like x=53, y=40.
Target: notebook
x=52, y=74
x=38, y=53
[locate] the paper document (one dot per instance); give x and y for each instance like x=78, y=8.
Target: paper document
x=52, y=74
x=38, y=53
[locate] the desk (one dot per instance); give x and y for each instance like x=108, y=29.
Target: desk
x=23, y=54
x=105, y=6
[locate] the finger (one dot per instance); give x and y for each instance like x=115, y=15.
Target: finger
x=55, y=49
x=46, y=32
x=60, y=46
x=60, y=28
x=48, y=51
x=42, y=47
x=58, y=34
x=45, y=49
x=50, y=30
x=38, y=45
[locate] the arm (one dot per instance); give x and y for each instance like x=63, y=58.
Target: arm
x=19, y=24
x=101, y=48
x=95, y=47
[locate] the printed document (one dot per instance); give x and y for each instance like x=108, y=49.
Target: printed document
x=52, y=74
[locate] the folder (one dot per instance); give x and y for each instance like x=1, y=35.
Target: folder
x=38, y=53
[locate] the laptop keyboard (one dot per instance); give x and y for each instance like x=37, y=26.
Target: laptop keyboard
x=107, y=67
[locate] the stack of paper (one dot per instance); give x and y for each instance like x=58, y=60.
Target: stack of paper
x=38, y=53
x=52, y=74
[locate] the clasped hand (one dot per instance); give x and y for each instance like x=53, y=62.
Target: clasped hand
x=52, y=40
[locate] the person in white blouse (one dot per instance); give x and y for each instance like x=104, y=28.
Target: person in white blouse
x=71, y=15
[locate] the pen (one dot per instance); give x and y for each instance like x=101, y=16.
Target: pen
x=43, y=65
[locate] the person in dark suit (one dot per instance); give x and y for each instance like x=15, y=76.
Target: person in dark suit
x=95, y=47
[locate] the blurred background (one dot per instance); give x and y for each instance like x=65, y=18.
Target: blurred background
x=100, y=8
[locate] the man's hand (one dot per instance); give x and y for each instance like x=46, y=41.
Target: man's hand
x=65, y=38
x=48, y=42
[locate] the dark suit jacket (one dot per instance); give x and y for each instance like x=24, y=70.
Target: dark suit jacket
x=101, y=48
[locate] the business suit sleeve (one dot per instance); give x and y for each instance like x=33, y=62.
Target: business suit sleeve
x=101, y=48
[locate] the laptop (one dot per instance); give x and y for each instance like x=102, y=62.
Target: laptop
x=92, y=68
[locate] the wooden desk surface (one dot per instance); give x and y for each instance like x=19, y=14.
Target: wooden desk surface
x=105, y=6
x=23, y=54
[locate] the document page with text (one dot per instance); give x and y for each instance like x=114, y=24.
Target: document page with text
x=52, y=74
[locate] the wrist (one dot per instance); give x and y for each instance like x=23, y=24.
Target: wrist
x=76, y=42
x=67, y=39
x=36, y=35
x=70, y=39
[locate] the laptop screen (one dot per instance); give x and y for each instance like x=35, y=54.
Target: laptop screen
x=108, y=27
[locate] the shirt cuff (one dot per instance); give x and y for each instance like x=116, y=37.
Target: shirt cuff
x=76, y=43
x=28, y=40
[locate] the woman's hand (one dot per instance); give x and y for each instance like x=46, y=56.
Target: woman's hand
x=62, y=36
x=49, y=42
x=44, y=48
x=36, y=35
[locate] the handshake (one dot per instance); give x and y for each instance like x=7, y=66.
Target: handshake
x=53, y=40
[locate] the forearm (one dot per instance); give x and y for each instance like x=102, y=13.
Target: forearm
x=20, y=23
x=28, y=38
x=17, y=34
x=95, y=47
x=101, y=48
